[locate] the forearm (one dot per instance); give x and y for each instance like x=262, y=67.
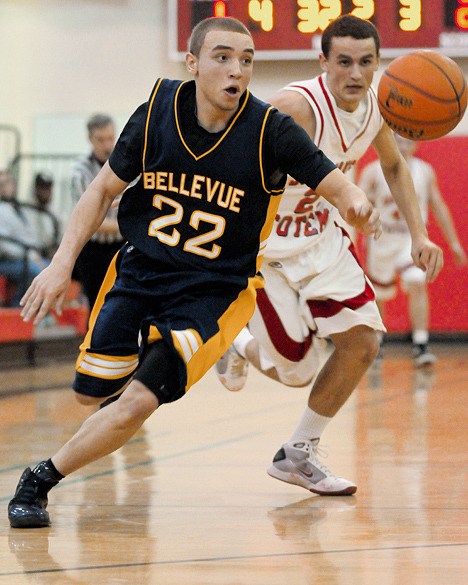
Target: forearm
x=108, y=227
x=351, y=202
x=85, y=220
x=88, y=215
x=446, y=224
x=340, y=192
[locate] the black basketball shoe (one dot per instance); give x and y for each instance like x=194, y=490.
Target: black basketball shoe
x=27, y=509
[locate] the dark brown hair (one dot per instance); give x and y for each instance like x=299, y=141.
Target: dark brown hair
x=198, y=35
x=349, y=26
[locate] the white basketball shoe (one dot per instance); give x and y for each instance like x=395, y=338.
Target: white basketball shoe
x=232, y=370
x=297, y=463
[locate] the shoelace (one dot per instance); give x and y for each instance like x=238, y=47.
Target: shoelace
x=318, y=451
x=28, y=493
x=32, y=489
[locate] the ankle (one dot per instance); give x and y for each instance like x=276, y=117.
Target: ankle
x=419, y=348
x=47, y=472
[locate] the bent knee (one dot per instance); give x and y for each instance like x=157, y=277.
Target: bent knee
x=137, y=402
x=372, y=349
x=362, y=342
x=367, y=350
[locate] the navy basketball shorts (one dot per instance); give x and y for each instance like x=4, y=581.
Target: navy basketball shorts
x=141, y=302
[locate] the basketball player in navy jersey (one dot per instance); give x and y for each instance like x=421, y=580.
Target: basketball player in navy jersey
x=315, y=287
x=212, y=162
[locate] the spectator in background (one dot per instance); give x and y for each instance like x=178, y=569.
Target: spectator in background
x=20, y=258
x=390, y=256
x=92, y=263
x=39, y=214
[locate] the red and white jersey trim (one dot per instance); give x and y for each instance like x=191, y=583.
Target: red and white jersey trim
x=303, y=218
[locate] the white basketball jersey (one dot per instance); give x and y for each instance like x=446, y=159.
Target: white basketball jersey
x=303, y=218
x=374, y=184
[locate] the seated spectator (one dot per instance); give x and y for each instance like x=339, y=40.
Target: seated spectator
x=20, y=258
x=40, y=216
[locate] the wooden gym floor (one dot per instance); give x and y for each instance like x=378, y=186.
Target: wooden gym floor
x=187, y=500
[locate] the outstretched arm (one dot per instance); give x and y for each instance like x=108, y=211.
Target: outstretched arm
x=426, y=255
x=351, y=202
x=49, y=287
x=349, y=199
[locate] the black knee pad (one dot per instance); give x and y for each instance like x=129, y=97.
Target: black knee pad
x=160, y=371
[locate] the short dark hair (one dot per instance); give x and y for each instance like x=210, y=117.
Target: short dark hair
x=349, y=26
x=197, y=38
x=99, y=121
x=43, y=180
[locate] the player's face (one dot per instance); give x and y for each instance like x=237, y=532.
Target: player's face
x=44, y=194
x=102, y=141
x=350, y=69
x=222, y=70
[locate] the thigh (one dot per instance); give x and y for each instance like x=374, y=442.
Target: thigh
x=285, y=340
x=140, y=303
x=341, y=297
x=277, y=319
x=109, y=354
x=278, y=307
x=381, y=268
x=383, y=258
x=201, y=325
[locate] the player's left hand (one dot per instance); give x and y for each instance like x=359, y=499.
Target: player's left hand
x=365, y=218
x=429, y=257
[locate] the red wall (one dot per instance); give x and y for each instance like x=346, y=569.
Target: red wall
x=449, y=293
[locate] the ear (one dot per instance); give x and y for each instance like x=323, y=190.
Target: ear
x=323, y=62
x=191, y=62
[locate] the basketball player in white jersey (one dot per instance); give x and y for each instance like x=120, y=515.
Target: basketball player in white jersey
x=315, y=286
x=390, y=256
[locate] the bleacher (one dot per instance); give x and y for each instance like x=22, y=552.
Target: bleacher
x=73, y=321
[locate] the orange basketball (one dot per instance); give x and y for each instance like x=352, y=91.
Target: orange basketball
x=422, y=95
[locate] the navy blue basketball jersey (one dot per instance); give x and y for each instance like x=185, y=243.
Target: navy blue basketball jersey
x=208, y=212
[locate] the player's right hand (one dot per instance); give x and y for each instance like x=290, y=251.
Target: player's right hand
x=366, y=219
x=46, y=291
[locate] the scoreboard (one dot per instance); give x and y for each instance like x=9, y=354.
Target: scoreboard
x=291, y=29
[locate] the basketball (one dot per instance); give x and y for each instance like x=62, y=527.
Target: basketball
x=422, y=95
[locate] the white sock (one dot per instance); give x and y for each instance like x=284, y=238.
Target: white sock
x=420, y=336
x=241, y=341
x=310, y=427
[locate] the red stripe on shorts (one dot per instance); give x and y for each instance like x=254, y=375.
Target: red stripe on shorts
x=292, y=350
x=330, y=307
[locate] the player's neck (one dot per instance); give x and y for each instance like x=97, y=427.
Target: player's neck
x=212, y=119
